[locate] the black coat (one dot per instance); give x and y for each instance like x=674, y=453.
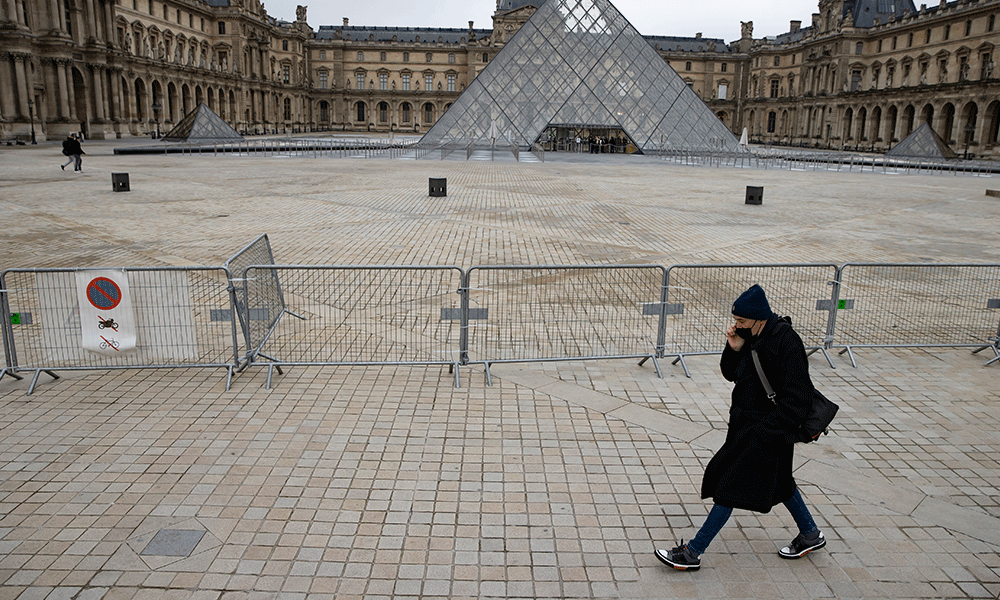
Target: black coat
x=753, y=469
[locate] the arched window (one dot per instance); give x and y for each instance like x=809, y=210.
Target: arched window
x=486, y=57
x=428, y=112
x=406, y=110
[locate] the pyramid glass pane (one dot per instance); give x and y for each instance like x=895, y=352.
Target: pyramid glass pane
x=579, y=62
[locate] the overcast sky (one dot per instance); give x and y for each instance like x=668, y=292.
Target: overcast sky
x=683, y=18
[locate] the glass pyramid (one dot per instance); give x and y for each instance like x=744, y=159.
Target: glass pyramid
x=202, y=125
x=579, y=63
x=924, y=142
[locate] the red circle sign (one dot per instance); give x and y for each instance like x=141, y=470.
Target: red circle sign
x=104, y=293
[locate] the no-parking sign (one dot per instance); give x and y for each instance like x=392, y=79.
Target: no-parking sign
x=107, y=322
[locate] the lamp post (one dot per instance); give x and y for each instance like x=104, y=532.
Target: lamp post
x=31, y=115
x=157, y=107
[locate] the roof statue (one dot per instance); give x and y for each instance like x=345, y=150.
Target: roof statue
x=202, y=125
x=579, y=63
x=924, y=142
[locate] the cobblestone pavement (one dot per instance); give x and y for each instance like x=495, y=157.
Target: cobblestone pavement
x=555, y=482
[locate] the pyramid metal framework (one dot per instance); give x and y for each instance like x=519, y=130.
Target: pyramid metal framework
x=924, y=142
x=579, y=63
x=202, y=125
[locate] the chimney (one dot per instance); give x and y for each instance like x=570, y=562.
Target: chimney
x=471, y=23
x=795, y=26
x=346, y=21
x=697, y=36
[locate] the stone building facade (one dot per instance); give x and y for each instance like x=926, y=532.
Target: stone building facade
x=866, y=73
x=862, y=76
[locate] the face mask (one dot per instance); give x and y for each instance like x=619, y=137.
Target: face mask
x=745, y=332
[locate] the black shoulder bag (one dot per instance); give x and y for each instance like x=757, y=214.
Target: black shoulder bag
x=821, y=413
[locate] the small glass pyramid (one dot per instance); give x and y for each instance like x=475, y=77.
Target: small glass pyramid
x=579, y=63
x=202, y=125
x=924, y=142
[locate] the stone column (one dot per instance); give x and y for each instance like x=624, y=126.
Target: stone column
x=7, y=102
x=22, y=83
x=63, y=89
x=116, y=95
x=56, y=16
x=100, y=93
x=92, y=20
x=51, y=88
x=10, y=11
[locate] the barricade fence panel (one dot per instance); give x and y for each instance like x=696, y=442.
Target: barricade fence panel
x=918, y=305
x=563, y=312
x=181, y=317
x=265, y=288
x=700, y=301
x=354, y=315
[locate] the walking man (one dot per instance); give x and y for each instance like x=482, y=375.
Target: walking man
x=753, y=469
x=67, y=146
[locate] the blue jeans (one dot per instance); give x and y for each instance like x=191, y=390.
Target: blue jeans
x=720, y=514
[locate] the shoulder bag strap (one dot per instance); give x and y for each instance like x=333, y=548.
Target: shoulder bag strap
x=763, y=378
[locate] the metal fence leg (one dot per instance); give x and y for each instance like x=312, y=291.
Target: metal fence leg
x=34, y=380
x=680, y=359
x=10, y=372
x=850, y=354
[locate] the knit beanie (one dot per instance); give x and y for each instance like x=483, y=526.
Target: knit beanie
x=752, y=304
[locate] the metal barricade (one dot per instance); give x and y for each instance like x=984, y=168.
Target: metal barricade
x=699, y=299
x=265, y=291
x=182, y=318
x=556, y=313
x=919, y=306
x=359, y=315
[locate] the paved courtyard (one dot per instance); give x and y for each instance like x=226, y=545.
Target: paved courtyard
x=555, y=482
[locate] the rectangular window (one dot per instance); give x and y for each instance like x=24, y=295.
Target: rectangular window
x=968, y=28
x=451, y=83
x=451, y=59
x=322, y=54
x=855, y=80
x=286, y=73
x=406, y=82
x=383, y=81
x=774, y=88
x=909, y=40
x=428, y=57
x=382, y=56
x=406, y=57
x=947, y=31
x=428, y=83
x=777, y=61
x=986, y=66
x=361, y=81
x=222, y=28
x=725, y=66
x=322, y=80
x=723, y=91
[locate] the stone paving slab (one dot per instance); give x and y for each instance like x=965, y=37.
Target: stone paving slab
x=555, y=482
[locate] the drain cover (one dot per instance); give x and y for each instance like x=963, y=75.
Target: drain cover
x=173, y=542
